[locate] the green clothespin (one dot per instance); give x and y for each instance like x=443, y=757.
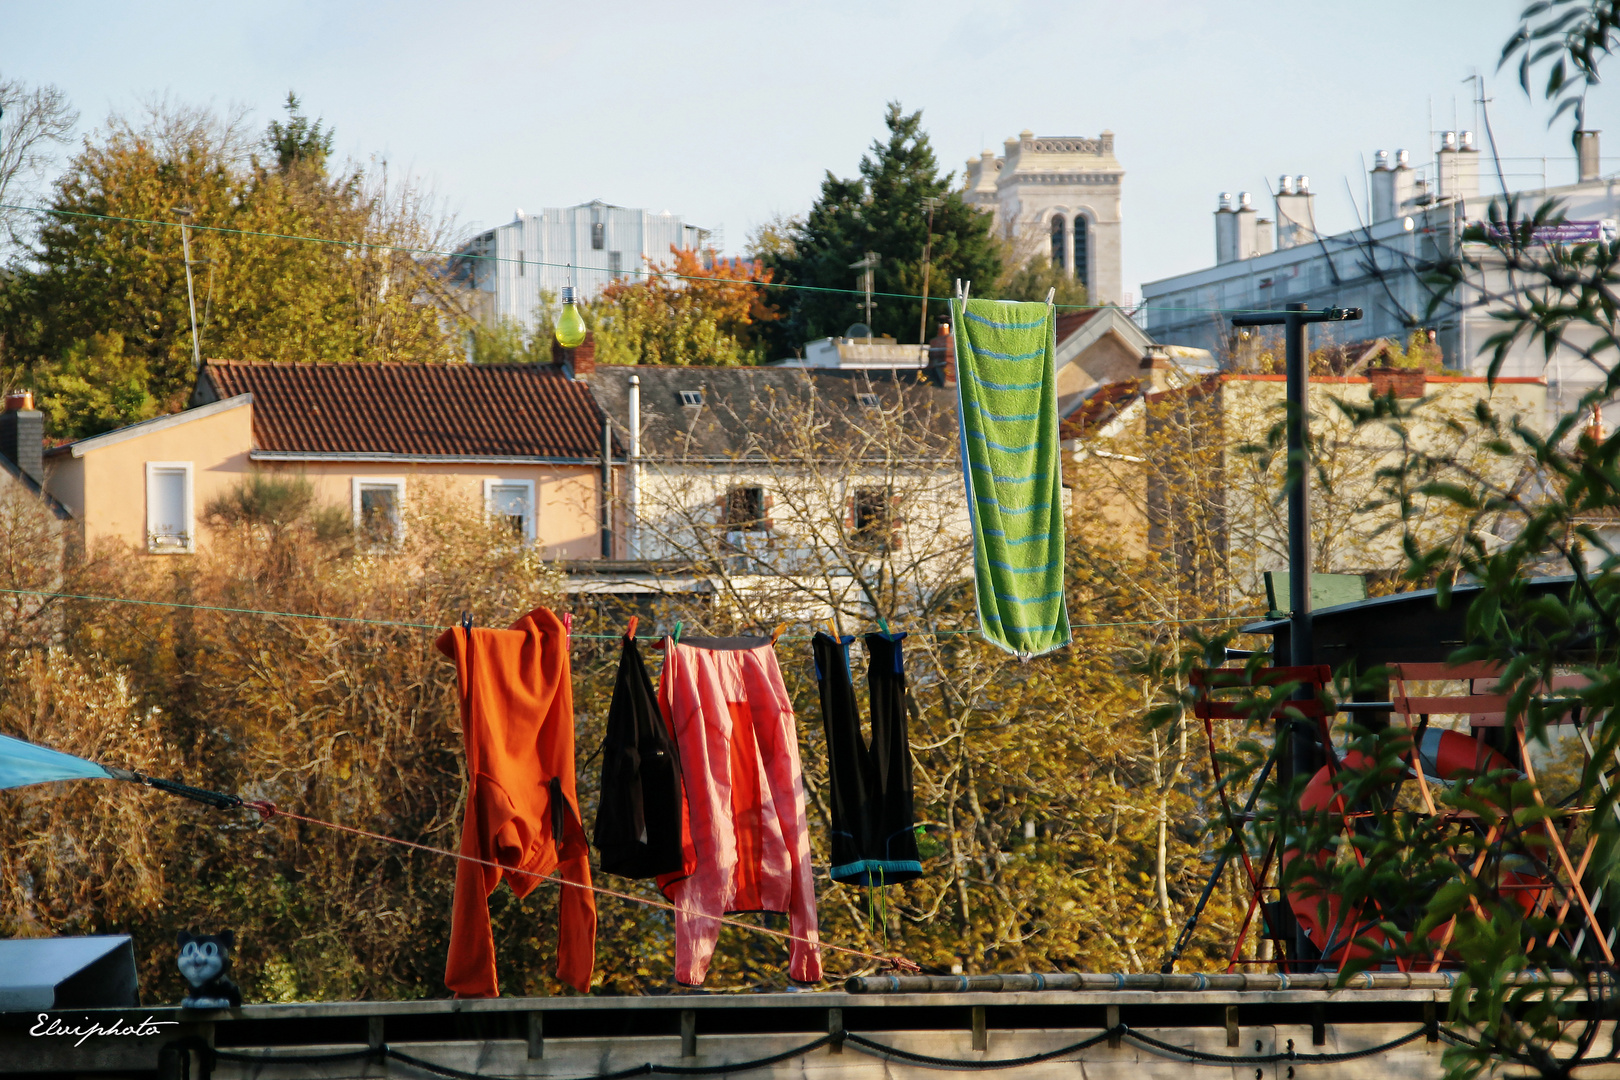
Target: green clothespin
x=883, y=624
x=675, y=638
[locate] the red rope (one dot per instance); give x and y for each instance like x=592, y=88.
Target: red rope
x=268, y=810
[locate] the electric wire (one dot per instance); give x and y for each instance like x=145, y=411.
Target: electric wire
x=268, y=613
x=362, y=245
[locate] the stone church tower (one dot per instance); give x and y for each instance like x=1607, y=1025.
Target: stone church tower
x=1060, y=196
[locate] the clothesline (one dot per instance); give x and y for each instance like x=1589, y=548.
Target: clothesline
x=268, y=613
x=267, y=810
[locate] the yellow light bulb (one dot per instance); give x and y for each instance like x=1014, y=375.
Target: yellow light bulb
x=570, y=325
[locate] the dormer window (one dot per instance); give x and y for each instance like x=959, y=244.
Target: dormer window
x=691, y=397
x=867, y=401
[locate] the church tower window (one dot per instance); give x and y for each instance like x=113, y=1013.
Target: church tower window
x=1058, y=260
x=1082, y=256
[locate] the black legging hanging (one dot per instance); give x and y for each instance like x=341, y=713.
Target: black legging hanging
x=638, y=822
x=873, y=837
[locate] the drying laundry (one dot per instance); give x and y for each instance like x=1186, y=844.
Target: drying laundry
x=746, y=844
x=517, y=720
x=638, y=822
x=1007, y=397
x=873, y=837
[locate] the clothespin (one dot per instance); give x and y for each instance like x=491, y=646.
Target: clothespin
x=630, y=631
x=883, y=624
x=832, y=631
x=568, y=628
x=1051, y=295
x=675, y=638
x=777, y=633
x=466, y=621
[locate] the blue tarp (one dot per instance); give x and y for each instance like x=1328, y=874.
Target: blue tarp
x=24, y=763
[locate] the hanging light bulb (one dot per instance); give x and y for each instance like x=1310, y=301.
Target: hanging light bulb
x=570, y=325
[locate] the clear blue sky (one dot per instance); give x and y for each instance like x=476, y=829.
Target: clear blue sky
x=730, y=112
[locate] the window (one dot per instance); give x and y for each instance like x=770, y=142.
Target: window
x=168, y=507
x=1058, y=259
x=522, y=263
x=745, y=509
x=691, y=397
x=1082, y=252
x=598, y=236
x=867, y=401
x=510, y=504
x=872, y=520
x=379, y=504
x=615, y=263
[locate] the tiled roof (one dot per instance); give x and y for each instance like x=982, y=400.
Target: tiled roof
x=457, y=410
x=1096, y=411
x=1070, y=321
x=743, y=407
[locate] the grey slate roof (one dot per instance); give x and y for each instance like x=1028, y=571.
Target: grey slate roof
x=736, y=412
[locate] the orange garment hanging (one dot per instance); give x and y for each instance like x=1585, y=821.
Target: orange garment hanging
x=517, y=720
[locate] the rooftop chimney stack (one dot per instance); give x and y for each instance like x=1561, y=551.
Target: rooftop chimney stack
x=22, y=435
x=1296, y=211
x=1459, y=166
x=580, y=360
x=1155, y=368
x=1226, y=248
x=1247, y=233
x=1586, y=156
x=1393, y=185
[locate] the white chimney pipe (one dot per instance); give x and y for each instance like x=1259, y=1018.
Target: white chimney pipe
x=635, y=468
x=1285, y=184
x=1304, y=184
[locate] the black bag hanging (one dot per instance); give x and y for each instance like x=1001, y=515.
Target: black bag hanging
x=638, y=821
x=873, y=836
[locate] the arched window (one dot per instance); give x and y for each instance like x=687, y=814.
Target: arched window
x=1082, y=254
x=1058, y=259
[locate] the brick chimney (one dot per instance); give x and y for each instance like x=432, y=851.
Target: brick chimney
x=22, y=435
x=942, y=355
x=1155, y=368
x=577, y=361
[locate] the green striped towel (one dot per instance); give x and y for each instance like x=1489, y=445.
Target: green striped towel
x=1007, y=398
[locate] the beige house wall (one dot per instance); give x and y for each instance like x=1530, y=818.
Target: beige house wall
x=105, y=488
x=566, y=496
x=104, y=483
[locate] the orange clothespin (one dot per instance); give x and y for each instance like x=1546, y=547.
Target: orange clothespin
x=630, y=631
x=832, y=630
x=777, y=633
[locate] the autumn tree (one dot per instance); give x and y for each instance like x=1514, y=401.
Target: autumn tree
x=108, y=260
x=34, y=121
x=693, y=309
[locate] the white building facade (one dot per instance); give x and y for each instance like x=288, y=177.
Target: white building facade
x=1060, y=196
x=1418, y=217
x=510, y=266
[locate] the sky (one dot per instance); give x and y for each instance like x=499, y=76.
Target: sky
x=731, y=113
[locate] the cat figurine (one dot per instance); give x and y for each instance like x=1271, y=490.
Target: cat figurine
x=204, y=961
